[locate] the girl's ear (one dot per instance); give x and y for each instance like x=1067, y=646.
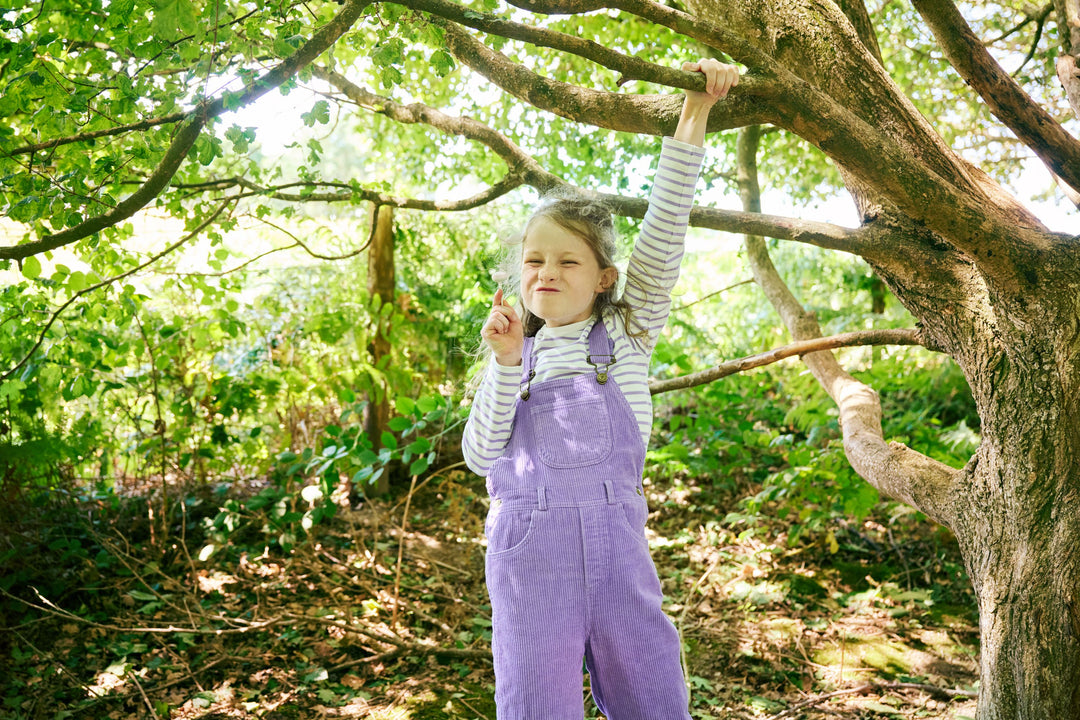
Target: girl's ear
x=608, y=276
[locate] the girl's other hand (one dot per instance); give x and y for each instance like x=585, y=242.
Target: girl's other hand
x=719, y=79
x=503, y=332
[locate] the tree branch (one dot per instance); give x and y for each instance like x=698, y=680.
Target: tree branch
x=1068, y=62
x=628, y=66
x=969, y=220
x=1005, y=98
x=649, y=114
x=800, y=348
x=524, y=166
x=1039, y=16
x=712, y=34
x=189, y=131
x=892, y=468
x=95, y=134
x=352, y=194
x=1040, y=24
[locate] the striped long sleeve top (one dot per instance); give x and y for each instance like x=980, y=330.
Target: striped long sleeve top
x=560, y=352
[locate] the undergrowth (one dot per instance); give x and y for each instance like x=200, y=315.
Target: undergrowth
x=787, y=578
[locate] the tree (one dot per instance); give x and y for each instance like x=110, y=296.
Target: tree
x=110, y=107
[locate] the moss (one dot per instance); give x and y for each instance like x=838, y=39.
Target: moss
x=891, y=657
x=443, y=705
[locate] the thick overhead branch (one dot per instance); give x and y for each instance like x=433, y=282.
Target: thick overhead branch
x=1006, y=99
x=713, y=34
x=629, y=67
x=893, y=468
x=185, y=137
x=648, y=114
x=731, y=367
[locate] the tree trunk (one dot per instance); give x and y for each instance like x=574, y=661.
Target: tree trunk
x=381, y=283
x=1020, y=538
x=1015, y=509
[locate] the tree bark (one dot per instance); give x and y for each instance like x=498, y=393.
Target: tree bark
x=380, y=282
x=1019, y=532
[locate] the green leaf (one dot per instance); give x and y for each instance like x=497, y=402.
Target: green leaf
x=140, y=595
x=443, y=62
x=31, y=268
x=429, y=403
x=174, y=19
x=398, y=424
x=419, y=446
x=320, y=114
x=418, y=466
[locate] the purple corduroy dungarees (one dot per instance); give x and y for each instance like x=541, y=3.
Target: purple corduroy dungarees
x=568, y=565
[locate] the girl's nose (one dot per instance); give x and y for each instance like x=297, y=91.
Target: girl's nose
x=547, y=272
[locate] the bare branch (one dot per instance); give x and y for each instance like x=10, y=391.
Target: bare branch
x=189, y=131
x=95, y=134
x=297, y=242
x=1040, y=25
x=1005, y=98
x=1039, y=16
x=353, y=194
x=223, y=273
x=713, y=294
x=800, y=348
x=892, y=468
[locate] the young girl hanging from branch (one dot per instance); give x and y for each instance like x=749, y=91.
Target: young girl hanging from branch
x=559, y=427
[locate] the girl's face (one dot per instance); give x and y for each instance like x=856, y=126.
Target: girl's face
x=560, y=277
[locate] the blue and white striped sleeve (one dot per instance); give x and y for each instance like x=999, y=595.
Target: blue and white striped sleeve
x=491, y=418
x=654, y=264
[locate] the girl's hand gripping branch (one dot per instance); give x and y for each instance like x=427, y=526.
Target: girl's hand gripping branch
x=719, y=79
x=503, y=332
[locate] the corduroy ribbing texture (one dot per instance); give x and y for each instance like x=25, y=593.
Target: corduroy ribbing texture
x=568, y=566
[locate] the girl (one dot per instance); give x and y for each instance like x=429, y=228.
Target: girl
x=559, y=426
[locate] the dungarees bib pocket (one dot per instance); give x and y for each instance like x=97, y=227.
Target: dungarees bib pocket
x=572, y=433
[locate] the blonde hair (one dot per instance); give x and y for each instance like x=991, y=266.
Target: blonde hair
x=590, y=220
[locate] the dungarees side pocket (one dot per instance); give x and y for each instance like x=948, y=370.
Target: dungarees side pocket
x=508, y=530
x=632, y=517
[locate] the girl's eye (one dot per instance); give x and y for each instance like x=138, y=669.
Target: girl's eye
x=570, y=262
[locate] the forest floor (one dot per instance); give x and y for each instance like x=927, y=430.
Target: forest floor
x=382, y=613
